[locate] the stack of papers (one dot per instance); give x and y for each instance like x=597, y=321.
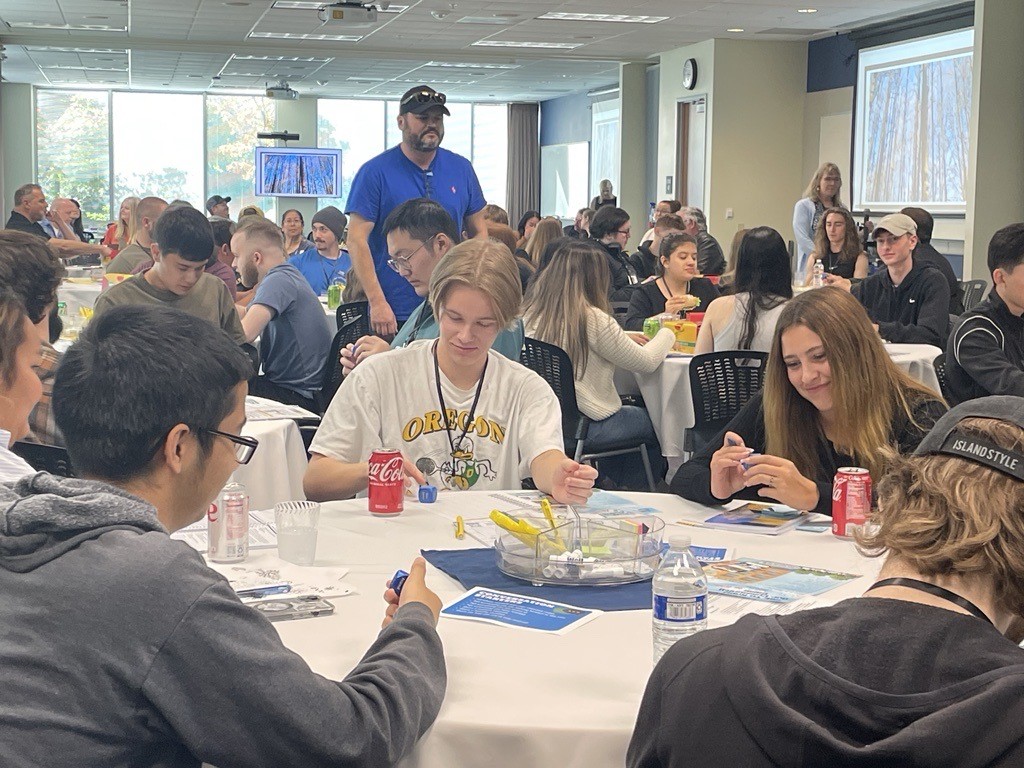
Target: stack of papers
x=771, y=582
x=508, y=610
x=768, y=519
x=261, y=409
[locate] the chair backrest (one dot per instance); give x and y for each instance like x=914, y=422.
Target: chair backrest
x=721, y=383
x=355, y=310
x=939, y=363
x=331, y=377
x=974, y=292
x=254, y=357
x=619, y=311
x=552, y=364
x=46, y=458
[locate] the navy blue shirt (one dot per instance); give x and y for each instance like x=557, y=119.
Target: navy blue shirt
x=387, y=181
x=320, y=271
x=295, y=343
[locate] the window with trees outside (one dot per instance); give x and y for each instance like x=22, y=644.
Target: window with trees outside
x=232, y=123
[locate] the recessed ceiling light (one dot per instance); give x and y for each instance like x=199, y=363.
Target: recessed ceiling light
x=806, y=10
x=467, y=65
x=615, y=18
x=734, y=29
x=101, y=18
x=66, y=27
x=295, y=36
x=297, y=5
x=524, y=44
x=237, y=3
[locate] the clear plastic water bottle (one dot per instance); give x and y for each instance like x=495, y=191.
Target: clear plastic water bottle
x=818, y=275
x=228, y=525
x=680, y=592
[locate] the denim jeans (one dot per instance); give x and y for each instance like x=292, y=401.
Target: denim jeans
x=630, y=424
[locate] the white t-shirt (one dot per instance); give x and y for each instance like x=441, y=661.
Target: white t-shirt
x=390, y=401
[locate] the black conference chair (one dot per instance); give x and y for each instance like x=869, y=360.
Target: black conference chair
x=974, y=292
x=46, y=458
x=721, y=383
x=939, y=363
x=349, y=333
x=619, y=311
x=355, y=310
x=554, y=366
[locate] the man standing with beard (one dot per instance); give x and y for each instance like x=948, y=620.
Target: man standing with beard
x=417, y=167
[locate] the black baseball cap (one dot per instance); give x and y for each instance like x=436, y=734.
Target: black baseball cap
x=421, y=98
x=216, y=200
x=947, y=438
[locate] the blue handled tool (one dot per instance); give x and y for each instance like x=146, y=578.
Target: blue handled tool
x=398, y=581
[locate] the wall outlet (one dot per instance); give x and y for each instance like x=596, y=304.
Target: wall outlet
x=728, y=213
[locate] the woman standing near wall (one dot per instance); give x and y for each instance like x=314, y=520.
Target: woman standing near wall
x=821, y=193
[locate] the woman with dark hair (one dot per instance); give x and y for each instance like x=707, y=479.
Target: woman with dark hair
x=292, y=225
x=611, y=229
x=837, y=244
x=761, y=286
x=832, y=398
x=527, y=223
x=678, y=287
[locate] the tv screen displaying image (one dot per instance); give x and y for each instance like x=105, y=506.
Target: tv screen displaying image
x=298, y=172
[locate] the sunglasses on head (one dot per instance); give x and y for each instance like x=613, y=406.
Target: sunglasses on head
x=422, y=97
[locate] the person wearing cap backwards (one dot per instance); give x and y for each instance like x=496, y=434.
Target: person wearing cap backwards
x=908, y=301
x=325, y=261
x=218, y=206
x=924, y=669
x=417, y=167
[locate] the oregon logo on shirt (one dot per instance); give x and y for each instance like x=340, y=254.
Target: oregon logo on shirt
x=431, y=422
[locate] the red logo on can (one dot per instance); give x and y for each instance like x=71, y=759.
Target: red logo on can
x=851, y=500
x=211, y=513
x=386, y=482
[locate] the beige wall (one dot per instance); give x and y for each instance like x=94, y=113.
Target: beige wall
x=17, y=126
x=828, y=125
x=632, y=191
x=299, y=117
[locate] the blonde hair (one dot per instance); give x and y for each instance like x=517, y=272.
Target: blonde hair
x=263, y=230
x=12, y=334
x=851, y=240
x=485, y=265
x=945, y=515
x=545, y=231
x=561, y=297
x=124, y=233
x=868, y=389
x=813, y=188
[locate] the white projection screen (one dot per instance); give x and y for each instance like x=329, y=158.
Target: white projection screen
x=911, y=130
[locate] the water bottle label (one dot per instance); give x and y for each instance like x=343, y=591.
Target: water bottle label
x=681, y=609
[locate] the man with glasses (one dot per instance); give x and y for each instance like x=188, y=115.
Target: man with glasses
x=909, y=299
x=710, y=259
x=285, y=314
x=121, y=646
x=418, y=233
x=417, y=167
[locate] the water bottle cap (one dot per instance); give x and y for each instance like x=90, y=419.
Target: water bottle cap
x=679, y=540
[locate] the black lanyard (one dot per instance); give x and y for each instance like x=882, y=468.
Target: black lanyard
x=444, y=408
x=933, y=589
x=425, y=314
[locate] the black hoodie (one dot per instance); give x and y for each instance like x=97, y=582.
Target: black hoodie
x=868, y=682
x=915, y=311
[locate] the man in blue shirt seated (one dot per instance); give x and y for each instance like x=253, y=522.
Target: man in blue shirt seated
x=418, y=233
x=325, y=261
x=285, y=314
x=417, y=167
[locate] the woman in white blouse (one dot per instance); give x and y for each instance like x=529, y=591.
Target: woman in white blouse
x=567, y=305
x=762, y=283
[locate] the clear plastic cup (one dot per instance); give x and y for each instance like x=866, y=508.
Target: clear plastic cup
x=296, y=530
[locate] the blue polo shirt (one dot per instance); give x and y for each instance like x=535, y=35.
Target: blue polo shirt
x=387, y=181
x=320, y=271
x=295, y=343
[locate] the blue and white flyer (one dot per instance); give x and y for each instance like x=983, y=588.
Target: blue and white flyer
x=508, y=610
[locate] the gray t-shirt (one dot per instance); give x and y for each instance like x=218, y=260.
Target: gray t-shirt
x=128, y=259
x=208, y=299
x=295, y=343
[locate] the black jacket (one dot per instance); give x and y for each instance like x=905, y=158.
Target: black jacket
x=648, y=300
x=867, y=683
x=926, y=252
x=644, y=262
x=914, y=312
x=623, y=274
x=693, y=480
x=985, y=352
x=22, y=224
x=710, y=259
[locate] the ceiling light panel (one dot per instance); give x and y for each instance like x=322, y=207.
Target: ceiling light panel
x=614, y=18
x=526, y=44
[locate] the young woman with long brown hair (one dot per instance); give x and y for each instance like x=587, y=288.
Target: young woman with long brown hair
x=832, y=398
x=838, y=245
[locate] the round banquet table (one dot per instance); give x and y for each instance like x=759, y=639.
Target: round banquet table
x=515, y=697
x=669, y=401
x=78, y=292
x=275, y=471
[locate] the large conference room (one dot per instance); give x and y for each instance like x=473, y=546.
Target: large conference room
x=609, y=342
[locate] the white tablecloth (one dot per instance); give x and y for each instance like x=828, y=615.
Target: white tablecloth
x=517, y=698
x=76, y=295
x=670, y=402
x=275, y=471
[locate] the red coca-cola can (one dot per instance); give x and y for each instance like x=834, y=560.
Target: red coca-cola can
x=851, y=500
x=387, y=482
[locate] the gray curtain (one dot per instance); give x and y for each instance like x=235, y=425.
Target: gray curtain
x=523, y=186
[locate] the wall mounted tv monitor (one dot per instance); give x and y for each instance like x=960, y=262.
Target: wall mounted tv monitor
x=298, y=172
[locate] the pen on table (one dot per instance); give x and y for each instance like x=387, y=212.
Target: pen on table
x=460, y=527
x=265, y=591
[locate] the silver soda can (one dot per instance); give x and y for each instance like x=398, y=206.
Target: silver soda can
x=228, y=525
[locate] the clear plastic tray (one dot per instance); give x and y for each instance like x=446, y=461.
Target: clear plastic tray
x=580, y=550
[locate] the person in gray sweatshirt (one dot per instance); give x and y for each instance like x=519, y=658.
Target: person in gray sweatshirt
x=118, y=646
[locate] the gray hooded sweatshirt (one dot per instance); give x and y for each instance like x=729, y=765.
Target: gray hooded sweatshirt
x=119, y=647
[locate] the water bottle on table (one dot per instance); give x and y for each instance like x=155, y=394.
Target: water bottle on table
x=680, y=592
x=818, y=274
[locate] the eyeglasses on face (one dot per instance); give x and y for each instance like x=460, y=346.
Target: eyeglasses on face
x=404, y=263
x=245, y=447
x=625, y=232
x=424, y=96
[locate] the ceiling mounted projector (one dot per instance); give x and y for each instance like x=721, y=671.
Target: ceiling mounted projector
x=282, y=91
x=351, y=15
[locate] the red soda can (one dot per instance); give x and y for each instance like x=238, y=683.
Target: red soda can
x=387, y=482
x=851, y=500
